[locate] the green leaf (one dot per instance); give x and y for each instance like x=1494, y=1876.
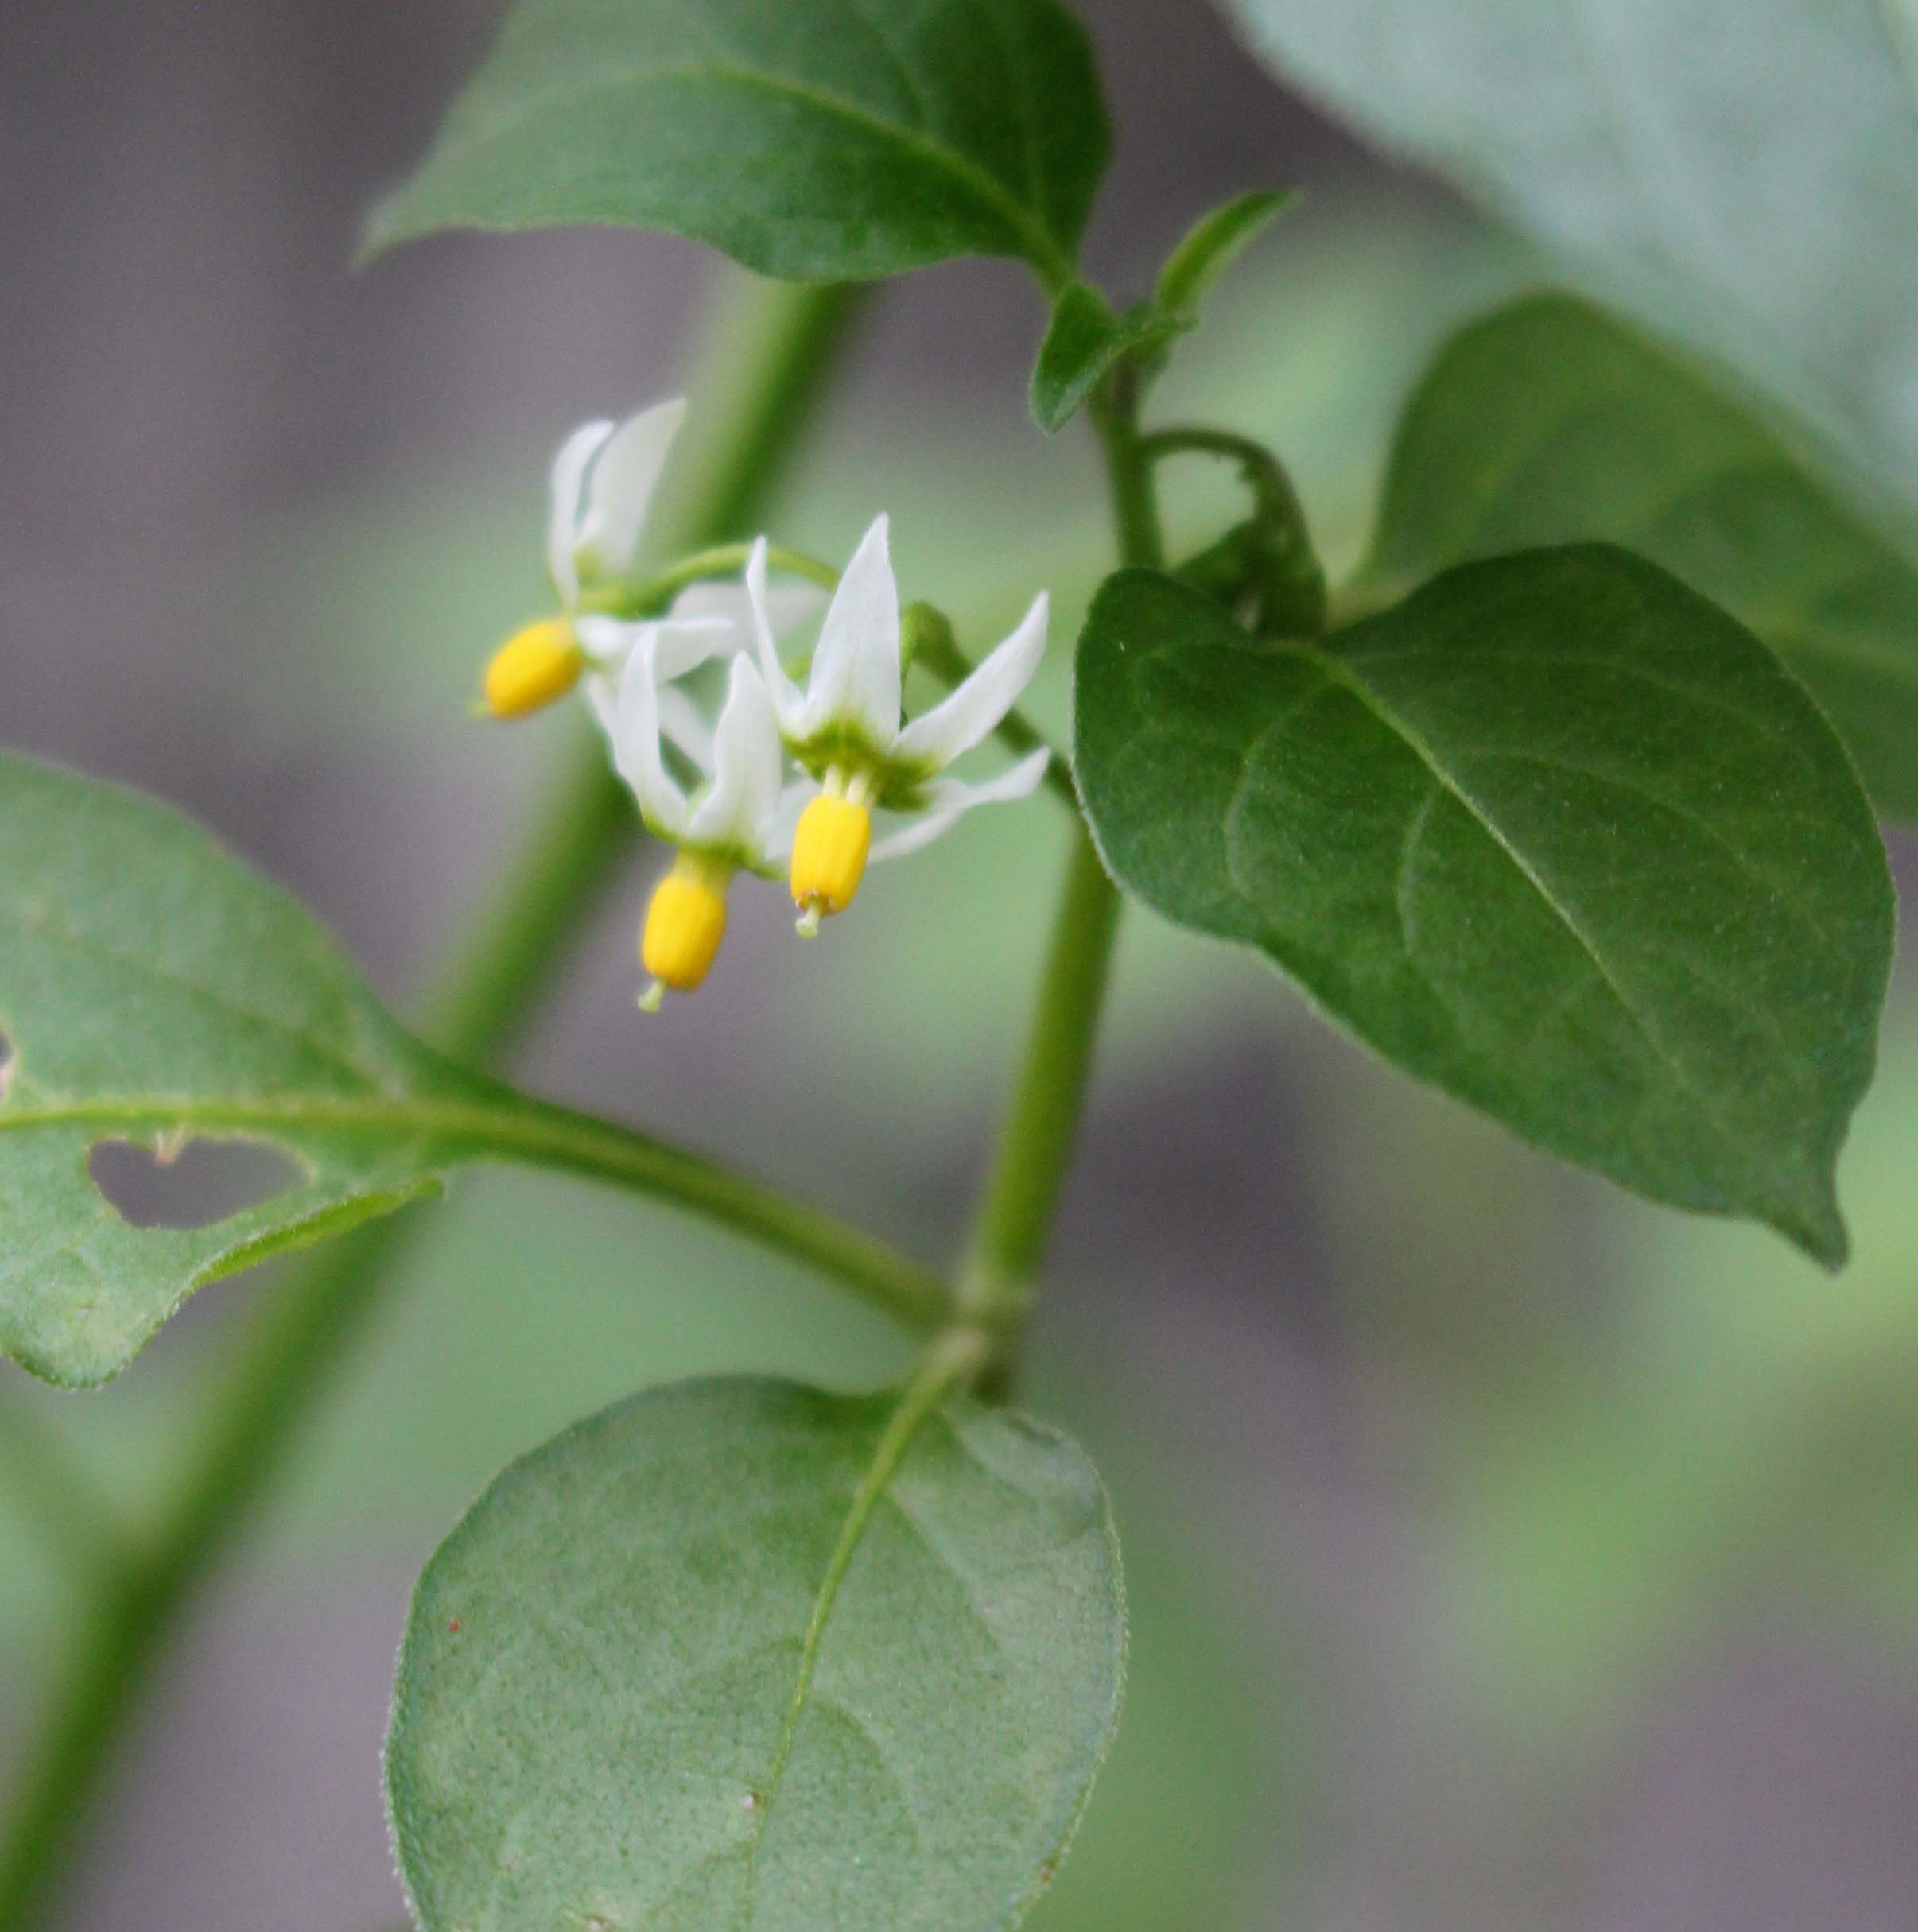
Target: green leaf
x=1082, y=342
x=815, y=139
x=740, y=1653
x=1548, y=423
x=150, y=989
x=1555, y=835
x=1213, y=242
x=1743, y=174
x=154, y=991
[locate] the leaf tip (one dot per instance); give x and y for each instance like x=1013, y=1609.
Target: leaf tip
x=1816, y=1228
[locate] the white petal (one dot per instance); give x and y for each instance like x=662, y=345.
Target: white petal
x=636, y=742
x=951, y=799
x=856, y=669
x=682, y=723
x=568, y=499
x=607, y=641
x=622, y=482
x=956, y=723
x=788, y=604
x=789, y=703
x=603, y=694
x=748, y=765
x=681, y=645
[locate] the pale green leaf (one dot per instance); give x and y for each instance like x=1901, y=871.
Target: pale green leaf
x=1555, y=834
x=817, y=139
x=1213, y=243
x=743, y=1654
x=1548, y=423
x=154, y=991
x=150, y=989
x=1741, y=173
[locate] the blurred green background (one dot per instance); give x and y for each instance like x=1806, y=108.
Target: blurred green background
x=1502, y=1552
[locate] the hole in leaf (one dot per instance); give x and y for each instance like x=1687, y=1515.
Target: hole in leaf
x=188, y=1183
x=7, y=1064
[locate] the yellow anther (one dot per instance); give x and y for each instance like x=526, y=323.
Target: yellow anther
x=533, y=667
x=684, y=925
x=829, y=852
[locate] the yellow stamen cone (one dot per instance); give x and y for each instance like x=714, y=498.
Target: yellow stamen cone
x=829, y=850
x=684, y=925
x=533, y=668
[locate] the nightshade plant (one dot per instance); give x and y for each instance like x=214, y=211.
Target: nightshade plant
x=1558, y=804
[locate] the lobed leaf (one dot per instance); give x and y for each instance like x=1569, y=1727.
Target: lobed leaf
x=1548, y=423
x=1743, y=174
x=740, y=1653
x=814, y=139
x=1555, y=834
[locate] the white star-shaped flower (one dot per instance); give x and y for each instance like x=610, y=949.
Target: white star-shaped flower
x=603, y=481
x=844, y=727
x=738, y=816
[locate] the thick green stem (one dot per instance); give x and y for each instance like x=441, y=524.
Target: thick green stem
x=1034, y=1155
x=1035, y=1145
x=1128, y=470
x=75, y=1518
x=777, y=347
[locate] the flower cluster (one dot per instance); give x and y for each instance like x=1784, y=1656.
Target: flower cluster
x=787, y=778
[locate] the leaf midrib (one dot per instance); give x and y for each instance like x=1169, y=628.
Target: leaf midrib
x=1340, y=674
x=1043, y=251
x=942, y=1369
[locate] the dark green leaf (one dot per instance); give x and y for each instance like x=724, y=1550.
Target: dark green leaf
x=1213, y=242
x=1743, y=174
x=1555, y=834
x=1083, y=342
x=1546, y=423
x=739, y=1653
x=817, y=139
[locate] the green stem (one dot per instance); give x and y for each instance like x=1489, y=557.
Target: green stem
x=486, y=1121
x=777, y=348
x=1128, y=470
x=1020, y=1205
x=643, y=596
x=1299, y=608
x=77, y=1520
x=1021, y=1197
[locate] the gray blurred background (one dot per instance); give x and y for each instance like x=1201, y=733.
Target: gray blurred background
x=1503, y=1553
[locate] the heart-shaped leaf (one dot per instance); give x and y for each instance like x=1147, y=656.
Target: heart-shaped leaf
x=818, y=139
x=742, y=1655
x=1555, y=834
x=1548, y=423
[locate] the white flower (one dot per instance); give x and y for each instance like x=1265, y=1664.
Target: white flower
x=741, y=814
x=604, y=480
x=845, y=728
